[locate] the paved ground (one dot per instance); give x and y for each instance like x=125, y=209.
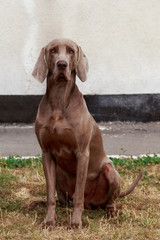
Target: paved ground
x=118, y=138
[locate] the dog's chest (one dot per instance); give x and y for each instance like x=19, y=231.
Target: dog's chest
x=58, y=137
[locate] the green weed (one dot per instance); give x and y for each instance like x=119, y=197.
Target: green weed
x=19, y=162
x=128, y=163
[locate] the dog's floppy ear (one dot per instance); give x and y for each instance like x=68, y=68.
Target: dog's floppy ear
x=40, y=70
x=82, y=65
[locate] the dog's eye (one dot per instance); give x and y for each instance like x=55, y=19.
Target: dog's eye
x=53, y=50
x=71, y=51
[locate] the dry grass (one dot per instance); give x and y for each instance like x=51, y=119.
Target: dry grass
x=138, y=215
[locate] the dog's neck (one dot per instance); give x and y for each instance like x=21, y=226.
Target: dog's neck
x=59, y=92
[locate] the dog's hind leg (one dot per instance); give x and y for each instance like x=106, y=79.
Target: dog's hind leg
x=114, y=180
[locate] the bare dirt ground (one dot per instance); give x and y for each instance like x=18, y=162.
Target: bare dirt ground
x=127, y=138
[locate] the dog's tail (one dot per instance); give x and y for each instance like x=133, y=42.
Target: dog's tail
x=131, y=187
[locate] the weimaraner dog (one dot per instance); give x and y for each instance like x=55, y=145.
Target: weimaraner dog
x=74, y=161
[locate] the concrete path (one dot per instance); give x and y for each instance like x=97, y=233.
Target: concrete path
x=118, y=138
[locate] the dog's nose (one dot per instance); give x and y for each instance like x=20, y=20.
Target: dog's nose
x=62, y=65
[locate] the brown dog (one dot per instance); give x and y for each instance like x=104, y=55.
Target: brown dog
x=73, y=157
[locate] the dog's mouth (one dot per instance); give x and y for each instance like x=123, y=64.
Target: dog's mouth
x=61, y=76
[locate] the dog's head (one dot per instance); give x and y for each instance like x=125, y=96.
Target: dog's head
x=61, y=58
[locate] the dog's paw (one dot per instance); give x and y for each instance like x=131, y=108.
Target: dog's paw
x=49, y=225
x=76, y=224
x=76, y=221
x=111, y=211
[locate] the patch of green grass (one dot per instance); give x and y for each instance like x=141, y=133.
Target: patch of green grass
x=6, y=179
x=19, y=162
x=11, y=205
x=130, y=163
x=7, y=185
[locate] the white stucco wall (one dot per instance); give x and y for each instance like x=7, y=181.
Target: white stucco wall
x=121, y=39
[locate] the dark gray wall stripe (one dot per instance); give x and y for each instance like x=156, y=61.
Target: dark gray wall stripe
x=18, y=108
x=135, y=107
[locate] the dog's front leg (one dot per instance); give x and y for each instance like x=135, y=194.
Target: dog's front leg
x=49, y=167
x=78, y=200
